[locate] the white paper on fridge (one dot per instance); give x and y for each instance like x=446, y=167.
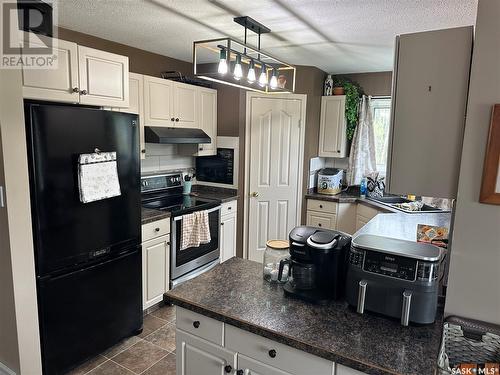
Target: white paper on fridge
x=98, y=176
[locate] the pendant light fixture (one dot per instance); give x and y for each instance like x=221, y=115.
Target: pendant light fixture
x=222, y=68
x=251, y=72
x=273, y=83
x=263, y=76
x=236, y=63
x=238, y=71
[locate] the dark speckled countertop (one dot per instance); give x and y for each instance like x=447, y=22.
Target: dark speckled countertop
x=209, y=192
x=235, y=292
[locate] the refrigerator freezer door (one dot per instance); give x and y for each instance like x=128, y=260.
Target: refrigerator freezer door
x=85, y=312
x=68, y=232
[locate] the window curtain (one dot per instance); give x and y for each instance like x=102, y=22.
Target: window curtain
x=362, y=159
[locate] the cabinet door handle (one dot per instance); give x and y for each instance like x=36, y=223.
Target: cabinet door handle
x=228, y=368
x=172, y=119
x=320, y=206
x=143, y=151
x=272, y=353
x=319, y=224
x=221, y=223
x=168, y=243
x=83, y=92
x=177, y=119
x=240, y=372
x=200, y=149
x=196, y=324
x=75, y=89
x=229, y=208
x=157, y=229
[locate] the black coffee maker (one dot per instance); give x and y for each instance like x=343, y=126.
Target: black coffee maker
x=317, y=265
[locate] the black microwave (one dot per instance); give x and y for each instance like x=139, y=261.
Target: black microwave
x=217, y=169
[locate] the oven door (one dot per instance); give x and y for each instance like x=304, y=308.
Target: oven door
x=187, y=260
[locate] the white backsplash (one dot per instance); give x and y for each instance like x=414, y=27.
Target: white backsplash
x=164, y=158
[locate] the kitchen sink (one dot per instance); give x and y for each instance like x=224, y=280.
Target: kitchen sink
x=393, y=200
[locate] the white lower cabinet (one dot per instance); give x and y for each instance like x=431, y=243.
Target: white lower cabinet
x=364, y=214
x=240, y=353
x=195, y=356
x=342, y=370
x=228, y=231
x=250, y=366
x=155, y=261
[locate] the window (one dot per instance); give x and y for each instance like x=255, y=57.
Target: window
x=381, y=114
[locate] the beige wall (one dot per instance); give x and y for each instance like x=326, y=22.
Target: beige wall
x=9, y=355
x=375, y=84
x=23, y=353
x=474, y=278
x=310, y=82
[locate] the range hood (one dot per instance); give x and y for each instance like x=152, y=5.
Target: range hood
x=160, y=134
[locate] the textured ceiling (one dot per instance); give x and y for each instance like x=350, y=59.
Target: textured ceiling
x=338, y=36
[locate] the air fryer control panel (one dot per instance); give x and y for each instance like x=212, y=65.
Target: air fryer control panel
x=392, y=265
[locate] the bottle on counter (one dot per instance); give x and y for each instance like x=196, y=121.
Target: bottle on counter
x=276, y=250
x=363, y=188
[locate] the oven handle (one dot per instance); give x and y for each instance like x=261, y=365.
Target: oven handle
x=208, y=211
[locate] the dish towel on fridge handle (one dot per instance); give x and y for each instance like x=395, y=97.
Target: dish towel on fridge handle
x=98, y=176
x=195, y=229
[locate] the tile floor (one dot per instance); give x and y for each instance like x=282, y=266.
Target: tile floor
x=150, y=353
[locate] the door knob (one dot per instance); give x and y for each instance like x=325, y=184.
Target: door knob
x=255, y=194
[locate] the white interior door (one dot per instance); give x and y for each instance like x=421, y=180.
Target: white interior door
x=274, y=171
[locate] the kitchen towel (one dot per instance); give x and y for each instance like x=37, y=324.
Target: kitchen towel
x=195, y=230
x=98, y=176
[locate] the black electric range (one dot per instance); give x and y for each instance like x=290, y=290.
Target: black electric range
x=164, y=192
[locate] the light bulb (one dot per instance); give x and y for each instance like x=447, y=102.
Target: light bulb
x=274, y=80
x=238, y=72
x=222, y=69
x=263, y=76
x=251, y=72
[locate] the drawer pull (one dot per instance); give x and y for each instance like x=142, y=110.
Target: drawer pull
x=240, y=372
x=229, y=208
x=320, y=206
x=196, y=324
x=157, y=229
x=272, y=353
x=319, y=224
x=228, y=368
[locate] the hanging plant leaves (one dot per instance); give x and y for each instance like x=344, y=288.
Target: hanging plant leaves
x=352, y=92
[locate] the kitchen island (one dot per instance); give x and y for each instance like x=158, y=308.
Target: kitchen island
x=246, y=317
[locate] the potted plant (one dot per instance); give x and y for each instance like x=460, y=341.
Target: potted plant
x=338, y=86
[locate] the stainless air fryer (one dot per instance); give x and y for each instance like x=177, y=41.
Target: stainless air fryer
x=396, y=278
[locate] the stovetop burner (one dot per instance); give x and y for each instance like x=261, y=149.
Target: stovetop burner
x=179, y=203
x=164, y=192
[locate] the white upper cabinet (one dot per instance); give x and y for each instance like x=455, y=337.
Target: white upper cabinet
x=332, y=132
x=103, y=78
x=185, y=98
x=207, y=120
x=429, y=97
x=59, y=84
x=83, y=75
x=136, y=105
x=158, y=102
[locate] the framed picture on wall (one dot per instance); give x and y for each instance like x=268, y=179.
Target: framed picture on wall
x=490, y=188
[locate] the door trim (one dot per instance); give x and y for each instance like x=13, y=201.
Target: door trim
x=246, y=211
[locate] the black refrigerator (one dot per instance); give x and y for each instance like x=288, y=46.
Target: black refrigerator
x=87, y=255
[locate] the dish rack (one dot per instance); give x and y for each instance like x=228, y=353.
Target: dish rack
x=468, y=341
